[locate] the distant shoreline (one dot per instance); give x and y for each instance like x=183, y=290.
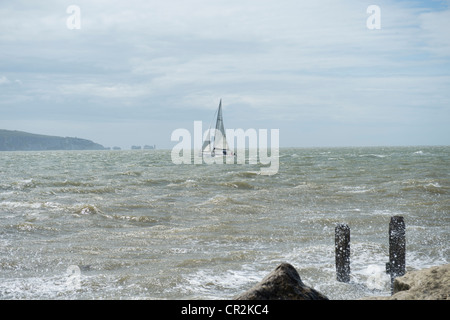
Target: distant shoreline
x=12, y=140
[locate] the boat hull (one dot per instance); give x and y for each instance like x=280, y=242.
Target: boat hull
x=209, y=155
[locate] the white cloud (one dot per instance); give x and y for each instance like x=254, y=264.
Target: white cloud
x=4, y=80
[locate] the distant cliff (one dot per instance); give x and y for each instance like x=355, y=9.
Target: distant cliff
x=24, y=141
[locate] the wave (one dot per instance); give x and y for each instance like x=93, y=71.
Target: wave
x=92, y=210
x=427, y=186
x=371, y=155
x=435, y=188
x=20, y=204
x=183, y=183
x=355, y=189
x=65, y=186
x=131, y=173
x=19, y=185
x=70, y=183
x=218, y=200
x=89, y=190
x=130, y=218
x=246, y=174
x=30, y=227
x=87, y=210
x=212, y=284
x=238, y=185
x=423, y=153
x=165, y=182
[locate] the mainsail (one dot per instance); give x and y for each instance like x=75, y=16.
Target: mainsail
x=220, y=139
x=219, y=146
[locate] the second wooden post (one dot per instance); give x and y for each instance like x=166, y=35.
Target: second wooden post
x=397, y=249
x=342, y=246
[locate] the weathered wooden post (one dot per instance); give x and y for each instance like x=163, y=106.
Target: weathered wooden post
x=342, y=246
x=397, y=249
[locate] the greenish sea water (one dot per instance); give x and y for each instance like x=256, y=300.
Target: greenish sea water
x=133, y=225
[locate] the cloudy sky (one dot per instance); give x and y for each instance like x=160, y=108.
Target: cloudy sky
x=137, y=70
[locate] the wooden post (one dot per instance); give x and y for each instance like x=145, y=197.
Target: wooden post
x=342, y=246
x=397, y=249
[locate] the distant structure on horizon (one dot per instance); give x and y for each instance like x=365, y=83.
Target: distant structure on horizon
x=146, y=147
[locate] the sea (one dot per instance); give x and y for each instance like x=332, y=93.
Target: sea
x=133, y=225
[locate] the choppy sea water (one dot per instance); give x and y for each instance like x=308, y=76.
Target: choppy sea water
x=133, y=225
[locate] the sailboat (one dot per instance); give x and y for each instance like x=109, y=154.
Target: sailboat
x=217, y=146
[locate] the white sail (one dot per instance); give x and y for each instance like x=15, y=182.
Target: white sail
x=219, y=144
x=207, y=143
x=220, y=139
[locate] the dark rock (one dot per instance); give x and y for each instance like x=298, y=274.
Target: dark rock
x=283, y=283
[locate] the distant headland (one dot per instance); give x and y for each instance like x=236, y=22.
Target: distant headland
x=24, y=141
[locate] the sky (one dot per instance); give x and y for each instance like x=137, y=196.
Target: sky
x=324, y=73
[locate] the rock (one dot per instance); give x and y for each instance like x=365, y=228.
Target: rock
x=283, y=283
x=427, y=284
